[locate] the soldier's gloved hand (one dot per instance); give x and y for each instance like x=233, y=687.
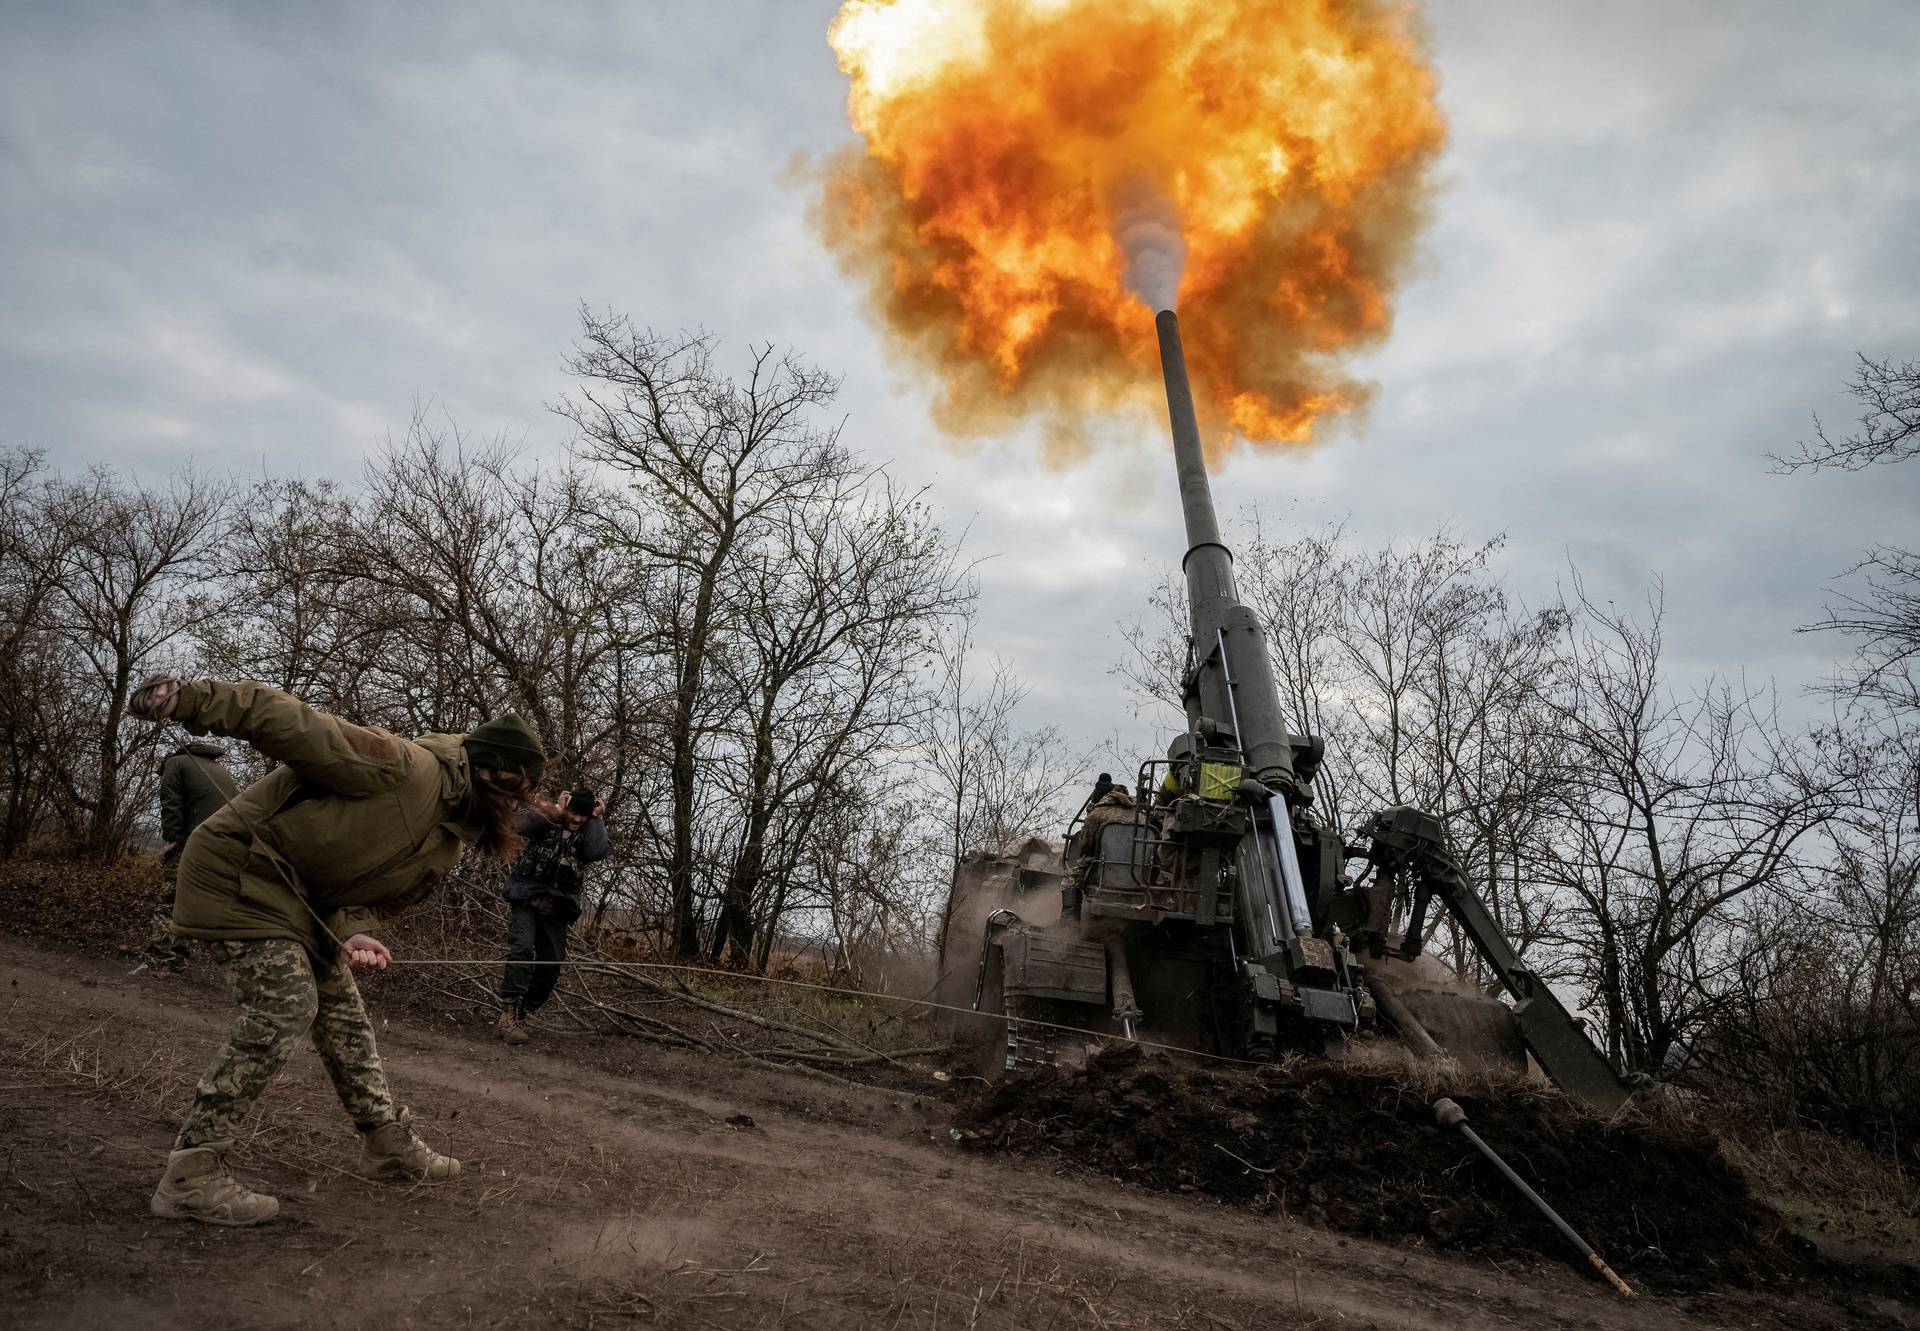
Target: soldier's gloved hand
x=365, y=951
x=154, y=700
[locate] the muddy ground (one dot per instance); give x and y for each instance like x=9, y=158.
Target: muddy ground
x=612, y=1183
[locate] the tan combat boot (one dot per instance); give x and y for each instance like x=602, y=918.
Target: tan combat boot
x=394, y=1153
x=512, y=1029
x=197, y=1186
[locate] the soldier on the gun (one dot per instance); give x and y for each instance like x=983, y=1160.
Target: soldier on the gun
x=193, y=784
x=1110, y=803
x=289, y=880
x=1172, y=790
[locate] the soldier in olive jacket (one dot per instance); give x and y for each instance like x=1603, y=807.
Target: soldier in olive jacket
x=291, y=880
x=192, y=785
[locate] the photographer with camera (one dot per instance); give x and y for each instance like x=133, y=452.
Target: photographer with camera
x=543, y=900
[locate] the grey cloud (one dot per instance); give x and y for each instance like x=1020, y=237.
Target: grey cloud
x=253, y=236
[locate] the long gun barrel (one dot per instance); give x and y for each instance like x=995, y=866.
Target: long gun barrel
x=1231, y=688
x=1233, y=678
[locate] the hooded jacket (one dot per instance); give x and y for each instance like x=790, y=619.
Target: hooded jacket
x=192, y=785
x=354, y=826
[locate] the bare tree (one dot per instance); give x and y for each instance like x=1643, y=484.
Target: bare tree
x=300, y=623
x=1299, y=588
x=832, y=610
x=1882, y=618
x=858, y=871
x=39, y=724
x=730, y=643
x=1676, y=809
x=994, y=781
x=137, y=581
x=1427, y=684
x=1880, y=610
x=712, y=461
x=989, y=782
x=1889, y=428
x=1822, y=1021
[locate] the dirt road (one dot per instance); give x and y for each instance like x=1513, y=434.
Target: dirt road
x=623, y=1185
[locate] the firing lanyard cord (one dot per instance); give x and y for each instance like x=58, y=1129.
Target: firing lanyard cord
x=831, y=989
x=791, y=984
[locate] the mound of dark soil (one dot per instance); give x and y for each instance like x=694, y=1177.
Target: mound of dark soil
x=1358, y=1151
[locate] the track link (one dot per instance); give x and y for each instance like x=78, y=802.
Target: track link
x=1030, y=1046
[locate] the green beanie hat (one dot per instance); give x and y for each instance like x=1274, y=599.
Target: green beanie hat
x=506, y=744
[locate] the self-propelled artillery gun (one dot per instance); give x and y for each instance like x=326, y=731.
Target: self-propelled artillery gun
x=1212, y=910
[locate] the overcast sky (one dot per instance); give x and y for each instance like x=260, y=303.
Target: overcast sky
x=250, y=237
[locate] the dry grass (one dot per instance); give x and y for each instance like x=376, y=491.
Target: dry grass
x=1828, y=1187
x=81, y=902
x=1791, y=1165
x=1431, y=1078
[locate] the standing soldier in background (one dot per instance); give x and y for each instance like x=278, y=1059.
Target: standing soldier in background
x=543, y=900
x=288, y=881
x=192, y=785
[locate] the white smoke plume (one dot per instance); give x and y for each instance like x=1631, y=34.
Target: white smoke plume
x=1146, y=226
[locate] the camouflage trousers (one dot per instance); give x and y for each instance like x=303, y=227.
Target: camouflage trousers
x=165, y=949
x=284, y=994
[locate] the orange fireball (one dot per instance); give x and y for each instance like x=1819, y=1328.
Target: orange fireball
x=1008, y=148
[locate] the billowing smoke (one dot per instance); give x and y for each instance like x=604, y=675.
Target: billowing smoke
x=1146, y=226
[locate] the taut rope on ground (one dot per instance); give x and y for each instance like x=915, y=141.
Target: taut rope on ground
x=822, y=988
x=679, y=969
